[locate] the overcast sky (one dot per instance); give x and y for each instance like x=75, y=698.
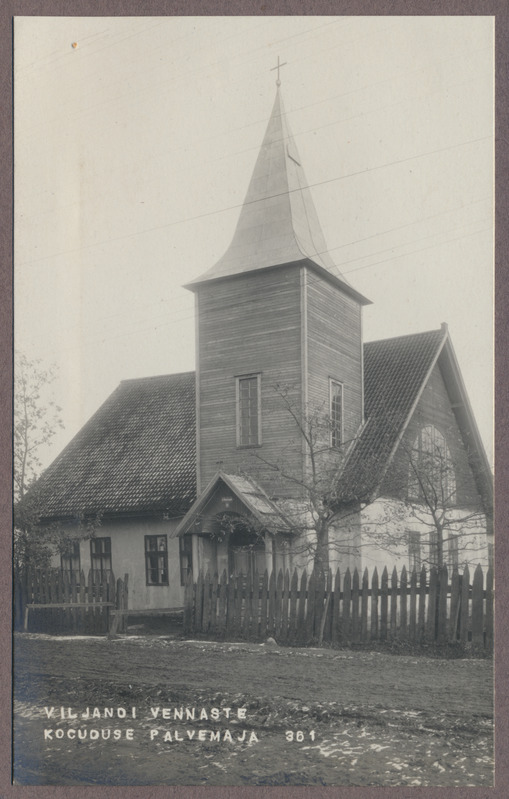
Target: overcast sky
x=134, y=149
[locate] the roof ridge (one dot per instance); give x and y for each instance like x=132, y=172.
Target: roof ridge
x=157, y=377
x=405, y=335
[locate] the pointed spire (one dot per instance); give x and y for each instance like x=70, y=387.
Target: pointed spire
x=278, y=223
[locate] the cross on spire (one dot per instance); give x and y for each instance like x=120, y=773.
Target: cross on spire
x=278, y=67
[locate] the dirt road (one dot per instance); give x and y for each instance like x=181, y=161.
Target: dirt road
x=246, y=714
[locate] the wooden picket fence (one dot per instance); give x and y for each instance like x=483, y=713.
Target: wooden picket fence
x=417, y=608
x=52, y=601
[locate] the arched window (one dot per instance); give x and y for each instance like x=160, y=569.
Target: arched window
x=431, y=472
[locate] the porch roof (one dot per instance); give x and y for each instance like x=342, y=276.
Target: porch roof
x=249, y=493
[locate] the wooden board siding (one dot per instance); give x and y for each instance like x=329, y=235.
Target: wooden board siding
x=434, y=407
x=334, y=339
x=249, y=324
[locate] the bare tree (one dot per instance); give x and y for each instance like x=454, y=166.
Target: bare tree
x=438, y=501
x=319, y=504
x=37, y=418
x=424, y=493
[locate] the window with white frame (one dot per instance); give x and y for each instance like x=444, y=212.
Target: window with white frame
x=414, y=551
x=156, y=559
x=336, y=412
x=249, y=421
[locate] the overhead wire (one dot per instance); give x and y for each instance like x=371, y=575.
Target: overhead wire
x=206, y=214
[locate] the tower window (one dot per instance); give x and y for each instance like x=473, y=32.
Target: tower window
x=336, y=412
x=249, y=427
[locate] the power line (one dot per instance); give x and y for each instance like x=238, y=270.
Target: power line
x=351, y=244
x=269, y=197
x=245, y=303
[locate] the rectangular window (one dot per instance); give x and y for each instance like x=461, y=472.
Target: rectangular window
x=249, y=411
x=186, y=557
x=453, y=552
x=156, y=559
x=100, y=554
x=336, y=412
x=433, y=549
x=414, y=551
x=70, y=559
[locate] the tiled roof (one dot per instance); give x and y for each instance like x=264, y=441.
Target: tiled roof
x=137, y=453
x=394, y=373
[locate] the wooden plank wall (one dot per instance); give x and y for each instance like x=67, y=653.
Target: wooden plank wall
x=249, y=324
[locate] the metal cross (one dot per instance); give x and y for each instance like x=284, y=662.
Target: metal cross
x=278, y=67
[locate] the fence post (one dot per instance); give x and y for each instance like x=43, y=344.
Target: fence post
x=292, y=623
x=198, y=606
x=347, y=598
x=489, y=608
x=310, y=608
x=326, y=625
x=221, y=615
x=319, y=613
x=455, y=606
x=374, y=605
x=336, y=632
x=188, y=603
x=237, y=604
x=279, y=604
x=384, y=591
x=432, y=606
x=477, y=607
x=286, y=600
x=394, y=603
x=205, y=624
x=403, y=629
x=464, y=614
x=422, y=607
x=301, y=613
x=364, y=606
x=412, y=622
x=230, y=606
x=271, y=622
x=263, y=605
x=214, y=589
x=356, y=630
x=246, y=621
x=442, y=604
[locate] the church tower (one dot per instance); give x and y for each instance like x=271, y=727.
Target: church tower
x=279, y=331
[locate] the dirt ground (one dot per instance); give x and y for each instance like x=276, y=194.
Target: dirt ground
x=246, y=714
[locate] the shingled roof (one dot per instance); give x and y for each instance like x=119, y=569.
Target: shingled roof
x=395, y=371
x=136, y=454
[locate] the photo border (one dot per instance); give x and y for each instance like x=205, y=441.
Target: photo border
x=152, y=8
